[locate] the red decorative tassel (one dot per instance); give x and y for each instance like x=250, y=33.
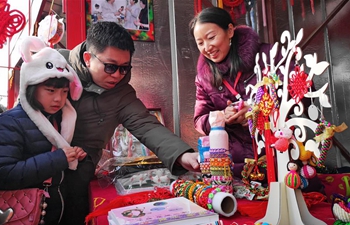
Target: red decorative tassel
x=302, y=9
x=130, y=199
x=243, y=9
x=312, y=7
x=284, y=5
x=197, y=6
x=232, y=13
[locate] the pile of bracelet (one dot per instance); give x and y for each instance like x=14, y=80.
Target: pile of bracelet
x=197, y=191
x=205, y=168
x=220, y=168
x=204, y=158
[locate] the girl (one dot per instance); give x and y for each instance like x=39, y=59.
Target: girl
x=32, y=151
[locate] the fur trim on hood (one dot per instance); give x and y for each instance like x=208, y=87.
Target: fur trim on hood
x=35, y=70
x=248, y=47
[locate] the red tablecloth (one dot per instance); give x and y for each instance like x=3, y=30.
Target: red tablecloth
x=100, y=197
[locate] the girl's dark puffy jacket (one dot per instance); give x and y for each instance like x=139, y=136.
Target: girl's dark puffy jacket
x=26, y=159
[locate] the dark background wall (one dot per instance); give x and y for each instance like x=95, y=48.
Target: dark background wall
x=152, y=68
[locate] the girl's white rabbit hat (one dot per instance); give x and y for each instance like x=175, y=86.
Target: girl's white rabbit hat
x=36, y=68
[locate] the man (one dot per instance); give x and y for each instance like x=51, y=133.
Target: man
x=103, y=64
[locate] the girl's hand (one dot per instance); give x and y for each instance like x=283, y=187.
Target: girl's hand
x=70, y=153
x=81, y=154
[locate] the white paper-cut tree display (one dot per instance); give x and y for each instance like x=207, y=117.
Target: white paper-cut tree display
x=277, y=109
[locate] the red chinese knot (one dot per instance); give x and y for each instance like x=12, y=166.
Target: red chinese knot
x=298, y=84
x=11, y=22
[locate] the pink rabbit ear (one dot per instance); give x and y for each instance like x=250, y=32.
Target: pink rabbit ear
x=75, y=87
x=30, y=44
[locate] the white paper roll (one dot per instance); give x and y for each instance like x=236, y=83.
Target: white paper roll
x=224, y=204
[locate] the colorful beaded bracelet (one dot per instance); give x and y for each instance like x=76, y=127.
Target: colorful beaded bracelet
x=217, y=150
x=211, y=196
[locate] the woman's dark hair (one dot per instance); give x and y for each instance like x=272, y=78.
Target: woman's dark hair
x=144, y=2
x=51, y=82
x=223, y=19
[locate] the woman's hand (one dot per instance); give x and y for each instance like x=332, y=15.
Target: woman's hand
x=235, y=113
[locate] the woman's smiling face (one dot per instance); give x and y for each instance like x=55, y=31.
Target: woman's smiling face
x=213, y=41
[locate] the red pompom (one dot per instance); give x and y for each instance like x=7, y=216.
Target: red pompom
x=282, y=144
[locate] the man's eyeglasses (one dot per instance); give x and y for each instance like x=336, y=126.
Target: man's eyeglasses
x=112, y=68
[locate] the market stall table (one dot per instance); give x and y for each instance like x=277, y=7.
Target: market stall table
x=100, y=197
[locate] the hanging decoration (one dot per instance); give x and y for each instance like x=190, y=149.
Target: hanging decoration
x=284, y=6
x=51, y=29
x=11, y=22
x=236, y=7
x=232, y=4
x=298, y=85
x=220, y=4
x=197, y=6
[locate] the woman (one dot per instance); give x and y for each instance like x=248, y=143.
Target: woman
x=142, y=22
x=132, y=12
x=31, y=148
x=227, y=53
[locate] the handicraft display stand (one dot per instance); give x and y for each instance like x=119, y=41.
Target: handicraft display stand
x=272, y=102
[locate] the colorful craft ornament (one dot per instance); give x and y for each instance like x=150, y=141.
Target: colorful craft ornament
x=292, y=179
x=275, y=80
x=260, y=92
x=252, y=117
x=341, y=208
x=252, y=166
x=298, y=85
x=324, y=133
x=283, y=135
x=307, y=171
x=274, y=97
x=304, y=155
x=266, y=104
x=304, y=182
